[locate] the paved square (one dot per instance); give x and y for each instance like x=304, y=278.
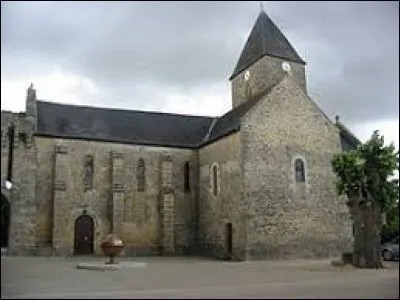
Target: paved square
x=58, y=278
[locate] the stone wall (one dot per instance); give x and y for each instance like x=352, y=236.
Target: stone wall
x=216, y=211
x=137, y=211
x=272, y=216
x=22, y=199
x=289, y=219
x=264, y=73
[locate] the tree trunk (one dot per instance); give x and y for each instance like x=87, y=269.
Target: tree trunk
x=357, y=216
x=372, y=235
x=366, y=221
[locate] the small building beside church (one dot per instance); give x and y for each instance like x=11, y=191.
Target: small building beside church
x=255, y=183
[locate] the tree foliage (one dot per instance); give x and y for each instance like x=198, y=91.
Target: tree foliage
x=368, y=170
x=365, y=176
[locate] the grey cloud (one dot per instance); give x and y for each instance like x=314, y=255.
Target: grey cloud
x=351, y=47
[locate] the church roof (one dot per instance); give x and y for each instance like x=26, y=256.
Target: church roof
x=122, y=126
x=265, y=39
x=148, y=128
x=137, y=127
x=230, y=122
x=348, y=140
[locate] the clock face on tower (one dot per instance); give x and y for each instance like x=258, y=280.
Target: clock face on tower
x=247, y=75
x=286, y=66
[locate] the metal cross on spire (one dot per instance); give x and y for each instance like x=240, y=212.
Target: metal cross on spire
x=261, y=6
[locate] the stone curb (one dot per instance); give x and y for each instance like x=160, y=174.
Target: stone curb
x=108, y=267
x=98, y=267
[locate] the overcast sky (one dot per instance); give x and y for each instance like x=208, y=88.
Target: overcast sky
x=177, y=56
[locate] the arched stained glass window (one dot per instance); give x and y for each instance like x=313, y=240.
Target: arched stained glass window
x=299, y=170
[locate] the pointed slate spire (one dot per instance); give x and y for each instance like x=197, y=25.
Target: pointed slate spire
x=265, y=39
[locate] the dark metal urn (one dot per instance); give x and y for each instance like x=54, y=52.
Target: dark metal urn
x=112, y=247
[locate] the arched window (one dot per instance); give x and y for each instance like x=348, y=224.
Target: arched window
x=214, y=180
x=141, y=175
x=299, y=170
x=88, y=173
x=186, y=172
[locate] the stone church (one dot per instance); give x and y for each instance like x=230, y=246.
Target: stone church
x=255, y=183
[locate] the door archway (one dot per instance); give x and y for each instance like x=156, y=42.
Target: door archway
x=5, y=221
x=84, y=234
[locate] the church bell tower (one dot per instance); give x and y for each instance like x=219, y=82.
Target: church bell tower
x=266, y=57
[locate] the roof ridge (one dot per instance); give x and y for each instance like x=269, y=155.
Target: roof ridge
x=121, y=109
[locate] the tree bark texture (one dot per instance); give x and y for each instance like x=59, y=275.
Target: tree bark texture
x=367, y=220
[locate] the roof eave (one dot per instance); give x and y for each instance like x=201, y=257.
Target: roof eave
x=237, y=72
x=125, y=142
